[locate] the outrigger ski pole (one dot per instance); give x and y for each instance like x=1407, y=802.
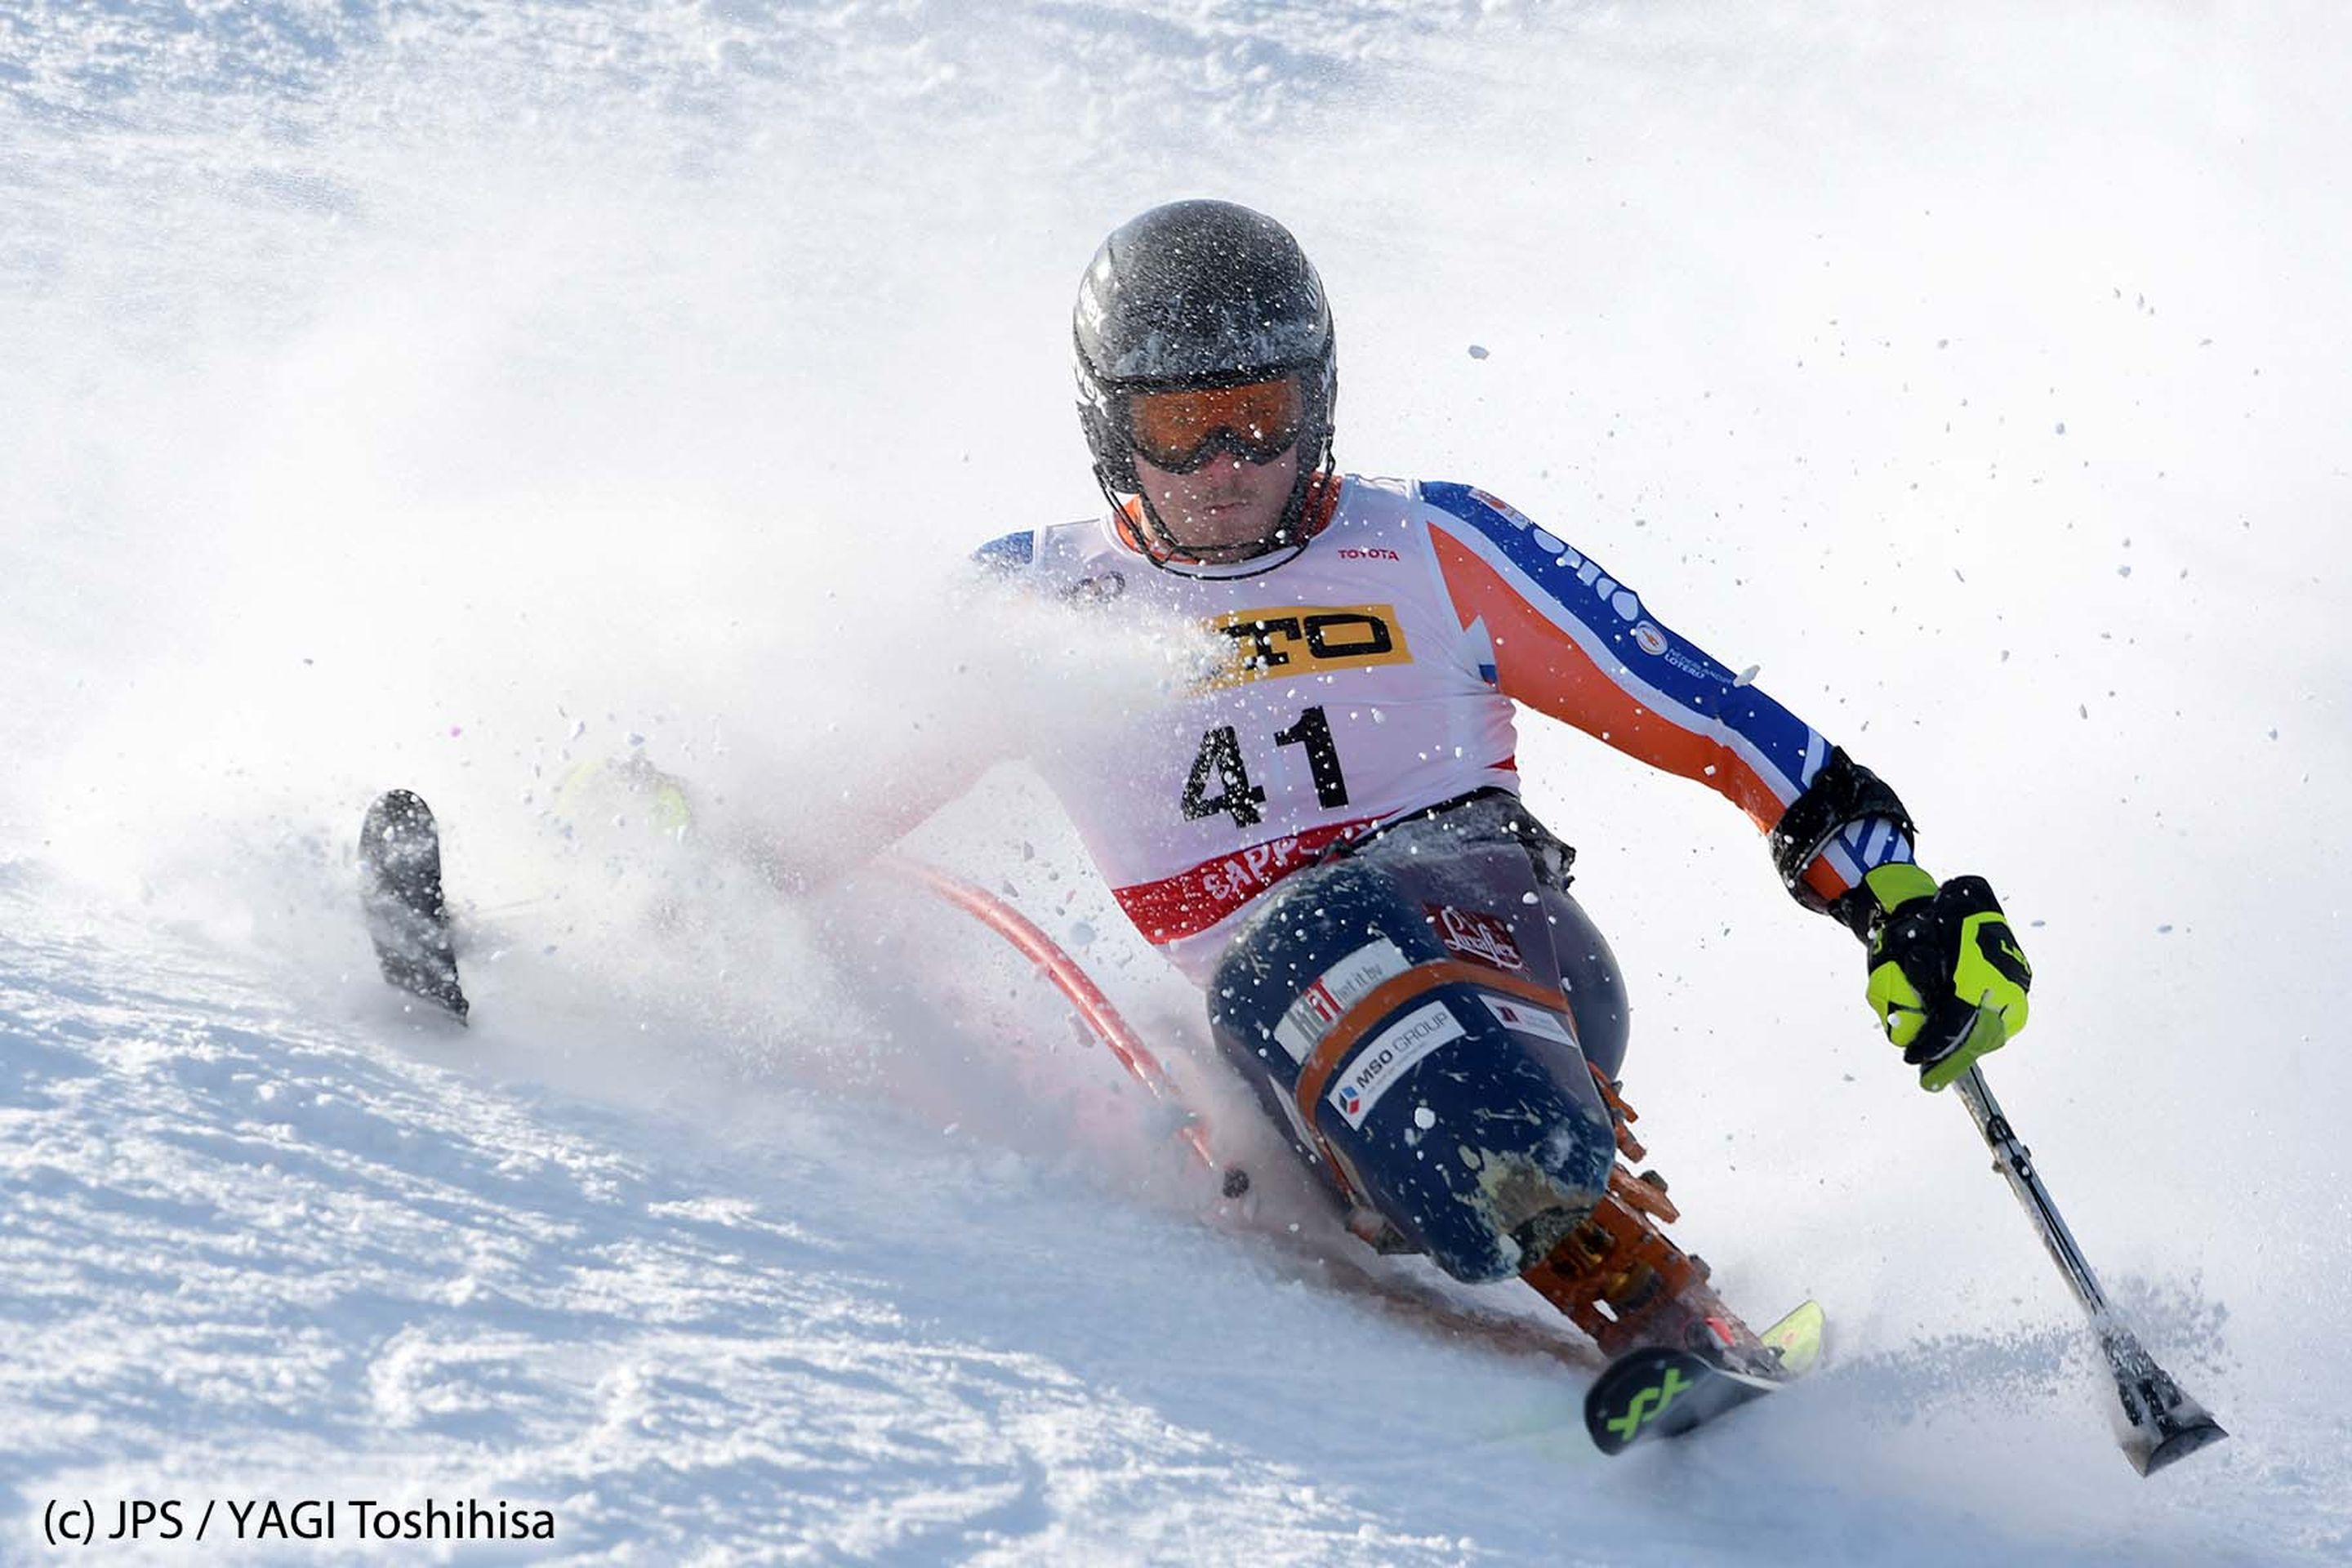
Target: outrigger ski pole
x=2160, y=1424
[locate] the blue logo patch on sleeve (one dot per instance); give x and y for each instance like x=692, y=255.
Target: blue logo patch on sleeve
x=1008, y=553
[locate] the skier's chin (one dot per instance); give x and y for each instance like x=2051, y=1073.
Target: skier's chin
x=1224, y=531
x=1224, y=552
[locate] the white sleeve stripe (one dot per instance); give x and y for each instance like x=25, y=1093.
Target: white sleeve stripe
x=1853, y=850
x=1843, y=862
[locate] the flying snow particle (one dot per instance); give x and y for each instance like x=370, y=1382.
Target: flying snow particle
x=1477, y=351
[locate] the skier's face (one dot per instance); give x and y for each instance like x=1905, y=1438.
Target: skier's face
x=1224, y=510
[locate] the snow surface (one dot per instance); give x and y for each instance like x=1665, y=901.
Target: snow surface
x=442, y=393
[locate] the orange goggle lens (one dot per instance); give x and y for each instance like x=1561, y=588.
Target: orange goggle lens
x=1179, y=431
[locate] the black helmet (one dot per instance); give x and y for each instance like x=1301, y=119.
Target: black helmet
x=1200, y=294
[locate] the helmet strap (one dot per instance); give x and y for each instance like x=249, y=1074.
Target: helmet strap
x=1295, y=529
x=1159, y=546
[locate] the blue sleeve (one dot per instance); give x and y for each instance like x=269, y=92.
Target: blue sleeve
x=1600, y=661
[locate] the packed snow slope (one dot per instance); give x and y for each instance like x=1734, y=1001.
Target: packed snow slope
x=449, y=394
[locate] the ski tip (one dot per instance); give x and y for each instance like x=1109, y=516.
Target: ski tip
x=2177, y=1445
x=1797, y=1338
x=404, y=807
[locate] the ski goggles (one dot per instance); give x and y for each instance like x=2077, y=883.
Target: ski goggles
x=1181, y=431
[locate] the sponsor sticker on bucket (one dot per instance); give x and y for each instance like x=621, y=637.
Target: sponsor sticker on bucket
x=1476, y=935
x=1532, y=1020
x=1391, y=1055
x=1321, y=1005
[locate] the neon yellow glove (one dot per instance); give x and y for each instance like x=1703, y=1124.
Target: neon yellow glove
x=1947, y=978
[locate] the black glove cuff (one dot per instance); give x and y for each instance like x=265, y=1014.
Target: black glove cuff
x=1843, y=793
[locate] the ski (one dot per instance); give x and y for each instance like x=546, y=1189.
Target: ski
x=1657, y=1391
x=399, y=892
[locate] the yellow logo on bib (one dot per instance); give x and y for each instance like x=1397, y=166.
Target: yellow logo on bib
x=1300, y=638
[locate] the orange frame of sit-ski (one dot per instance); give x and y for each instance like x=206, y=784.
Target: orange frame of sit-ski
x=1057, y=966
